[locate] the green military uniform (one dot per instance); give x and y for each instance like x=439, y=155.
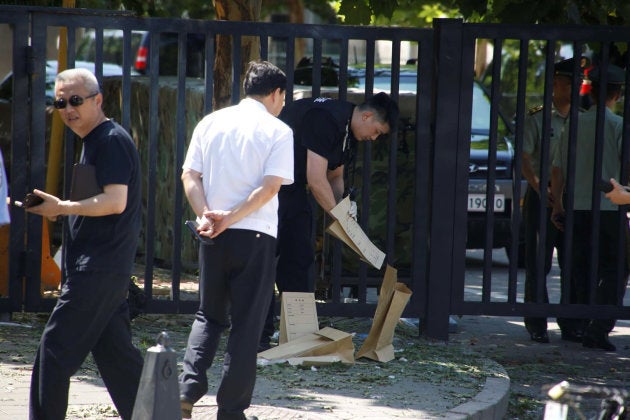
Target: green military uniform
x=596, y=334
x=532, y=142
x=585, y=151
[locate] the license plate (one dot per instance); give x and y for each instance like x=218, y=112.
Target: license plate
x=477, y=202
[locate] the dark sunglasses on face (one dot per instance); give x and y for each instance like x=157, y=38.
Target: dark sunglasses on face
x=74, y=100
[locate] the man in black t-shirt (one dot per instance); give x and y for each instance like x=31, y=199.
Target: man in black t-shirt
x=324, y=132
x=92, y=314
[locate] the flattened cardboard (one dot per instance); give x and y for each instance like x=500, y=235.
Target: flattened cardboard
x=346, y=229
x=314, y=360
x=298, y=315
x=327, y=345
x=391, y=302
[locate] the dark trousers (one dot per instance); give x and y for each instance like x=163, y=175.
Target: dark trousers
x=296, y=254
x=237, y=275
x=531, y=217
x=91, y=315
x=607, y=283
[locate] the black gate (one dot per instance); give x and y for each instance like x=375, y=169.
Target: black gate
x=507, y=82
x=413, y=186
x=162, y=144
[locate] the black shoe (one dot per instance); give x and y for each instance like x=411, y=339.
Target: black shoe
x=601, y=342
x=539, y=337
x=574, y=336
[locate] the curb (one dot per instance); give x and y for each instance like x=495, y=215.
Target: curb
x=490, y=404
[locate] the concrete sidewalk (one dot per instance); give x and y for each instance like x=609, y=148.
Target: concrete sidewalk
x=494, y=338
x=88, y=398
x=519, y=366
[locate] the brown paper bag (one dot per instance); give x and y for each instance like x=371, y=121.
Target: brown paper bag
x=346, y=229
x=325, y=346
x=391, y=303
x=298, y=315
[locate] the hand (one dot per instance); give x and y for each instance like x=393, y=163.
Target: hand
x=550, y=200
x=619, y=194
x=557, y=218
x=219, y=221
x=203, y=223
x=352, y=211
x=49, y=208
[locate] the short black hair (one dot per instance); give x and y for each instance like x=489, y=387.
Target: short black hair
x=385, y=108
x=262, y=78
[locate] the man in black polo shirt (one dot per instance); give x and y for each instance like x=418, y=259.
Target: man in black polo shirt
x=324, y=131
x=92, y=314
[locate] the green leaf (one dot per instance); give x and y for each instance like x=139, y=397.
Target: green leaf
x=357, y=12
x=384, y=7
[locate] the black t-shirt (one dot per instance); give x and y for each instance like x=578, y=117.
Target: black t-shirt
x=108, y=243
x=321, y=125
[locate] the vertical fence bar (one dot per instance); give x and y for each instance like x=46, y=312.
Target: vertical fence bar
x=446, y=102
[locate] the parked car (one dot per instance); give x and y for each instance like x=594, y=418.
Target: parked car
x=112, y=45
x=478, y=162
x=303, y=73
x=6, y=86
x=195, y=54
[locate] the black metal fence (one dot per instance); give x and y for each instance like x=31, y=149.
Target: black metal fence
x=452, y=92
x=413, y=187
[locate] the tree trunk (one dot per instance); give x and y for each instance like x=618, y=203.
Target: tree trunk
x=234, y=10
x=296, y=15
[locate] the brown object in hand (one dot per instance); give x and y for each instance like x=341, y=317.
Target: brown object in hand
x=84, y=184
x=31, y=200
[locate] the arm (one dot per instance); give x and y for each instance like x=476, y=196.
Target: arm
x=532, y=126
x=335, y=178
x=193, y=188
x=528, y=172
x=257, y=198
x=318, y=181
x=113, y=200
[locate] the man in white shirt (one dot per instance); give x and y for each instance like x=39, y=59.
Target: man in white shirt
x=236, y=162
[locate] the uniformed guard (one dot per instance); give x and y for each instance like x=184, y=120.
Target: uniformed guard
x=531, y=169
x=325, y=131
x=610, y=234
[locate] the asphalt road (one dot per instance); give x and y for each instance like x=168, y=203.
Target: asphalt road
x=534, y=366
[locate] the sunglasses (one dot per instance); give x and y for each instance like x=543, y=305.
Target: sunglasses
x=74, y=100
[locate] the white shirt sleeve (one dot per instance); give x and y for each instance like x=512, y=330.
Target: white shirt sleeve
x=194, y=155
x=280, y=162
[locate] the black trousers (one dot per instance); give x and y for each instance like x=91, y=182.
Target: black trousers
x=91, y=315
x=554, y=240
x=237, y=275
x=296, y=253
x=607, y=289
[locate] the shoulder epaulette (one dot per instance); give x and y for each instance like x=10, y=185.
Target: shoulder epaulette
x=535, y=109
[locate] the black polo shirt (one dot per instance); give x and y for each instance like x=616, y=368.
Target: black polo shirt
x=321, y=125
x=108, y=243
